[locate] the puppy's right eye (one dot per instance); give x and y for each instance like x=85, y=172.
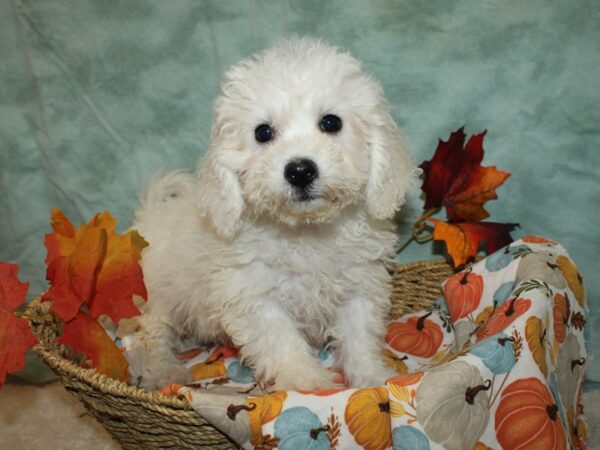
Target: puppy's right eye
x=263, y=133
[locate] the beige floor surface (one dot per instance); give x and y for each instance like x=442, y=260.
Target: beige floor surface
x=49, y=418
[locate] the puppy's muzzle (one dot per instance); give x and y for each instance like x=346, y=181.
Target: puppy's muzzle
x=301, y=173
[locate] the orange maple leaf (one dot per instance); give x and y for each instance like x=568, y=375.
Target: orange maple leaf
x=120, y=277
x=73, y=261
x=455, y=179
x=93, y=266
x=84, y=335
x=15, y=335
x=464, y=239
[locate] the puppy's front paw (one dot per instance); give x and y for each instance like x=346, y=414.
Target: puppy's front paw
x=160, y=375
x=368, y=374
x=305, y=378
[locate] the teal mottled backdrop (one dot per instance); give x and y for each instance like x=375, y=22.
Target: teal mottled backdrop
x=95, y=96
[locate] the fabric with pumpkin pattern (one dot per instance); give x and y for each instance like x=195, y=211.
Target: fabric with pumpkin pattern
x=496, y=363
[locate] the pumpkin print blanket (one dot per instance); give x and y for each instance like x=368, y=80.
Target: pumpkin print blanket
x=497, y=363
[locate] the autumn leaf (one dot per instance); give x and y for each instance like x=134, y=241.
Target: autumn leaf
x=73, y=261
x=84, y=335
x=93, y=266
x=455, y=179
x=464, y=239
x=120, y=277
x=15, y=335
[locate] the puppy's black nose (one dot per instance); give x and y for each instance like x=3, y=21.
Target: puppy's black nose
x=301, y=172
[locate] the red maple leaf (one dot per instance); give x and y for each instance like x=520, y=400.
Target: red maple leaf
x=15, y=335
x=463, y=239
x=84, y=335
x=455, y=179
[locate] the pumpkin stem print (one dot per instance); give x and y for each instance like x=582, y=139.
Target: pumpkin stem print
x=234, y=410
x=471, y=392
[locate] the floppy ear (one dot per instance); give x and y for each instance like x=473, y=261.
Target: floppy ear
x=219, y=194
x=392, y=172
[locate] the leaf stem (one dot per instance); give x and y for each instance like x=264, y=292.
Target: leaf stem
x=420, y=231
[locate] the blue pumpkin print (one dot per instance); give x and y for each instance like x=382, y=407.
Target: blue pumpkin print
x=239, y=373
x=497, y=353
x=440, y=304
x=498, y=260
x=406, y=437
x=503, y=257
x=503, y=292
x=298, y=428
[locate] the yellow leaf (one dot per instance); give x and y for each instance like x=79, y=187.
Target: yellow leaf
x=396, y=408
x=399, y=392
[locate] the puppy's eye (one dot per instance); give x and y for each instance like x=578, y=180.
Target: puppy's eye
x=330, y=124
x=263, y=133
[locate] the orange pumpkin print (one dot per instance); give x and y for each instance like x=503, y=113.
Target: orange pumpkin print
x=463, y=294
x=367, y=416
x=528, y=417
x=417, y=337
x=503, y=317
x=573, y=277
x=561, y=312
x=537, y=240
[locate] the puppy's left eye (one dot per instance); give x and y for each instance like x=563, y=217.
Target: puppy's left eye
x=330, y=123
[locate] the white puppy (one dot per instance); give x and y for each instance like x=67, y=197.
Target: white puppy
x=279, y=243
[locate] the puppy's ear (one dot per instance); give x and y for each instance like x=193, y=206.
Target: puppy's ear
x=220, y=195
x=392, y=171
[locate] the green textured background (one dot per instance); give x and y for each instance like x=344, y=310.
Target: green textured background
x=95, y=96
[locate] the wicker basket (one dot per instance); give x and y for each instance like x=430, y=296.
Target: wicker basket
x=141, y=419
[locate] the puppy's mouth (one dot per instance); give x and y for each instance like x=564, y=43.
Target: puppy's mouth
x=305, y=196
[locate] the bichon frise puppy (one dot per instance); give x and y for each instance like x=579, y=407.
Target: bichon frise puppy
x=279, y=243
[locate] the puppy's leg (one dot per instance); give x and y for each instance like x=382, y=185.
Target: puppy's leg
x=358, y=333
x=271, y=344
x=161, y=367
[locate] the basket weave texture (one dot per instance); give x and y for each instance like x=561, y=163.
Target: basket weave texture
x=140, y=419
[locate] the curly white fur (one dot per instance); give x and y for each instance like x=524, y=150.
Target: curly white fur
x=234, y=256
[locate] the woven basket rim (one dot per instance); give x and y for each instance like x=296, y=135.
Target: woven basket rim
x=100, y=381
x=152, y=399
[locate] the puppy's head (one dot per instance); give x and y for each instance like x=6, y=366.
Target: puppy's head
x=300, y=132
